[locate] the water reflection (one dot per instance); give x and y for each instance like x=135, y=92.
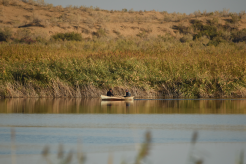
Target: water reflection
x=96, y=106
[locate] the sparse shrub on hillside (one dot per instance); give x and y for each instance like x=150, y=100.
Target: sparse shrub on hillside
x=209, y=31
x=186, y=38
x=5, y=34
x=69, y=7
x=14, y=2
x=5, y=2
x=213, y=21
x=216, y=41
x=229, y=27
x=49, y=6
x=75, y=7
x=226, y=35
x=23, y=33
x=89, y=22
x=182, y=29
x=41, y=2
x=1, y=12
x=124, y=10
x=225, y=12
x=36, y=19
x=204, y=13
x=243, y=18
x=100, y=33
x=117, y=32
x=142, y=34
x=197, y=24
x=241, y=13
x=234, y=18
x=26, y=36
x=27, y=40
x=84, y=8
x=164, y=12
x=239, y=36
x=206, y=30
x=67, y=36
x=97, y=9
x=131, y=11
x=217, y=13
x=86, y=31
x=168, y=18
x=59, y=8
x=197, y=13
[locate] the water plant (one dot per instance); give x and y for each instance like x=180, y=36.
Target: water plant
x=161, y=64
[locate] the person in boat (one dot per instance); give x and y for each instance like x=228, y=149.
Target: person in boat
x=128, y=94
x=110, y=93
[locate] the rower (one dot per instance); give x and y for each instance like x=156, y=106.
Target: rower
x=128, y=94
x=110, y=93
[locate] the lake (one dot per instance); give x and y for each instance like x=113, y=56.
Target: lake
x=112, y=132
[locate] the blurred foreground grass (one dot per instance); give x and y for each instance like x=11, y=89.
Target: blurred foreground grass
x=67, y=158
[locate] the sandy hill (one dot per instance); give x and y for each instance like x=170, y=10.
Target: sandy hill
x=44, y=20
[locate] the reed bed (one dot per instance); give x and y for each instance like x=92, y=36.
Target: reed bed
x=160, y=66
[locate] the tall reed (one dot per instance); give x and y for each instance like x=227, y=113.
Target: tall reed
x=155, y=64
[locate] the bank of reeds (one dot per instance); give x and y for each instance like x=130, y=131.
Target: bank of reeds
x=160, y=66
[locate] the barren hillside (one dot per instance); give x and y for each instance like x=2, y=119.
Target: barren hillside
x=43, y=20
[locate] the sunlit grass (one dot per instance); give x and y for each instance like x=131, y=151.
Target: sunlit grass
x=160, y=64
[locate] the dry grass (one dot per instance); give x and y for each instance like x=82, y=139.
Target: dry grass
x=160, y=64
x=50, y=17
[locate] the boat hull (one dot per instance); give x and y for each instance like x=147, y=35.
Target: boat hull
x=116, y=98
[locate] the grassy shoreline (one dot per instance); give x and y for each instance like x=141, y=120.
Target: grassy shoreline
x=160, y=66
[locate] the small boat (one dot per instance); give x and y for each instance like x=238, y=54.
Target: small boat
x=116, y=98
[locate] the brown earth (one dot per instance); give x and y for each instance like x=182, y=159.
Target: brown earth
x=45, y=20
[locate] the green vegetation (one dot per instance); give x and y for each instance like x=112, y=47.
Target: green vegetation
x=68, y=36
x=5, y=34
x=162, y=64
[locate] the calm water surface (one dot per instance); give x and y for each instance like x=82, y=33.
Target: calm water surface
x=116, y=129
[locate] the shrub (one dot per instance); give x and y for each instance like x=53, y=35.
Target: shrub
x=27, y=40
x=41, y=2
x=204, y=30
x=86, y=31
x=186, y=38
x=23, y=33
x=225, y=12
x=142, y=34
x=197, y=13
x=239, y=36
x=5, y=34
x=100, y=33
x=131, y=11
x=68, y=36
x=5, y=2
x=213, y=21
x=97, y=9
x=234, y=19
x=182, y=29
x=167, y=18
x=117, y=32
x=216, y=41
x=124, y=10
x=209, y=31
